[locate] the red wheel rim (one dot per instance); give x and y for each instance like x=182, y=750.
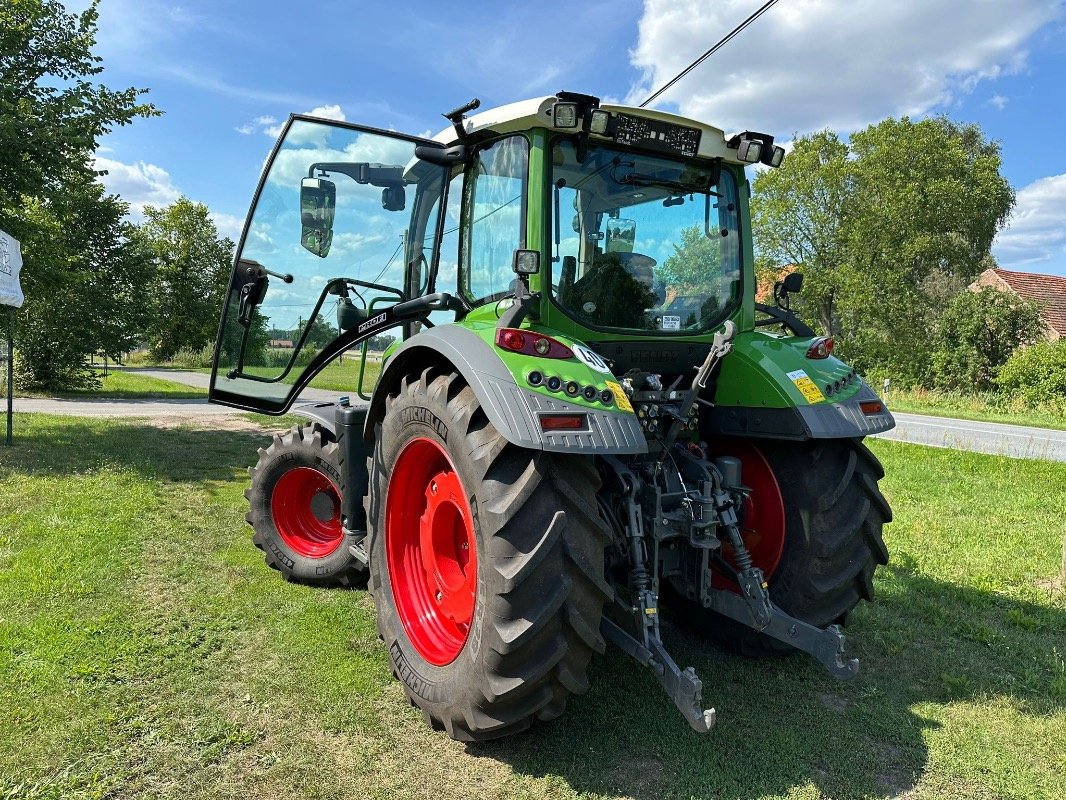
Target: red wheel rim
x=306, y=507
x=431, y=551
x=763, y=517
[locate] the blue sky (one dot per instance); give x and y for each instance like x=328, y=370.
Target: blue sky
x=226, y=73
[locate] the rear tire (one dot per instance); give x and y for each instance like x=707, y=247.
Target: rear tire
x=834, y=515
x=504, y=631
x=294, y=508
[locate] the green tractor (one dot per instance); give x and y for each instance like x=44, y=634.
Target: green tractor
x=581, y=412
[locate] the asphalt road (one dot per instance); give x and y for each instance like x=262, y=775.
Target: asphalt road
x=1016, y=441
x=121, y=407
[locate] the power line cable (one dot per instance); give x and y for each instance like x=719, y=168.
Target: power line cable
x=718, y=45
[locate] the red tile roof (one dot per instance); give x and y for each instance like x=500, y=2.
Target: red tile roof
x=1047, y=290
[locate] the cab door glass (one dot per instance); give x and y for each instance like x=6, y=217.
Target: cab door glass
x=495, y=208
x=344, y=227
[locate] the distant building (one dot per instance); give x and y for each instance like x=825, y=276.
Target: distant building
x=1047, y=291
x=282, y=344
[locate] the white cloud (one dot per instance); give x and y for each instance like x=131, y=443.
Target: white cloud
x=228, y=224
x=272, y=127
x=1036, y=234
x=999, y=101
x=810, y=64
x=139, y=184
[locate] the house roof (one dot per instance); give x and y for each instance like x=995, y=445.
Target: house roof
x=1047, y=290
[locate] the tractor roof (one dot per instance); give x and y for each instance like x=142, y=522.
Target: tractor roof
x=536, y=113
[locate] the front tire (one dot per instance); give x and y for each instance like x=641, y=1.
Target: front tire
x=294, y=507
x=486, y=563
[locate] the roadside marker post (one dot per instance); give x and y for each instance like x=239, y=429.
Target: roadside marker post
x=12, y=297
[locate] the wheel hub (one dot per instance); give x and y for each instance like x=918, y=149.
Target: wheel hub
x=762, y=517
x=431, y=551
x=305, y=506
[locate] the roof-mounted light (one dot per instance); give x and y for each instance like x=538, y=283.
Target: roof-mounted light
x=749, y=151
x=754, y=147
x=564, y=115
x=598, y=122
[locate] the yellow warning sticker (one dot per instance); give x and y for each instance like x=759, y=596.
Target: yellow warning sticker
x=621, y=399
x=806, y=386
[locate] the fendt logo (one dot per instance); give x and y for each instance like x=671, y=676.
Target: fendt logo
x=370, y=323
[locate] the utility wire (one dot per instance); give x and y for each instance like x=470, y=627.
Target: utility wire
x=720, y=43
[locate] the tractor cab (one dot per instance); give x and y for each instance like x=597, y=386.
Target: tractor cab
x=627, y=223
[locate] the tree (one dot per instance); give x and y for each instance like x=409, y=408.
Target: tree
x=798, y=212
x=82, y=274
x=192, y=266
x=91, y=294
x=880, y=225
x=977, y=333
x=51, y=114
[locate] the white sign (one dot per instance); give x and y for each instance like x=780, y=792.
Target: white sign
x=10, y=264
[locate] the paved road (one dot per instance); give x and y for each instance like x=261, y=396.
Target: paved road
x=189, y=407
x=1016, y=441
x=983, y=437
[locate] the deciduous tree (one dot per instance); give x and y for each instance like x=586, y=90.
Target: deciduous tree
x=977, y=333
x=191, y=268
x=879, y=226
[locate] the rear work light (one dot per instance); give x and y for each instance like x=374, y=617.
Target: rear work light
x=563, y=422
x=820, y=348
x=531, y=344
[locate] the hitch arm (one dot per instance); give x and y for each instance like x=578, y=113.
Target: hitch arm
x=825, y=645
x=682, y=686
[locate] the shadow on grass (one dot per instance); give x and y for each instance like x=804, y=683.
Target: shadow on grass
x=785, y=724
x=65, y=446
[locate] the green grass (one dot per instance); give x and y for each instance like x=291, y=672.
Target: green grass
x=337, y=376
x=130, y=386
x=146, y=651
x=975, y=407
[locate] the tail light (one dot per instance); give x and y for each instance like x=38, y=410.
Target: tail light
x=871, y=407
x=820, y=347
x=531, y=343
x=563, y=422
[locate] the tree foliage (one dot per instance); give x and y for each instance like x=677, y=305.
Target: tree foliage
x=82, y=275
x=880, y=225
x=191, y=267
x=85, y=288
x=51, y=113
x=1037, y=374
x=977, y=333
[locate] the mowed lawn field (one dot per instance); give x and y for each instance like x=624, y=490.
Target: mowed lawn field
x=146, y=651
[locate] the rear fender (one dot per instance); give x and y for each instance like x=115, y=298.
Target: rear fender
x=512, y=409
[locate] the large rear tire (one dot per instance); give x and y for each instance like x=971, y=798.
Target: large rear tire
x=294, y=507
x=834, y=514
x=486, y=563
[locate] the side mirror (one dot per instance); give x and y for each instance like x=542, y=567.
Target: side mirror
x=318, y=206
x=792, y=283
x=621, y=234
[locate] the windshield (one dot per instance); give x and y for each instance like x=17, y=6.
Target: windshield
x=643, y=243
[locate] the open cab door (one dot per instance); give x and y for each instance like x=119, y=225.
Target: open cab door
x=340, y=247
